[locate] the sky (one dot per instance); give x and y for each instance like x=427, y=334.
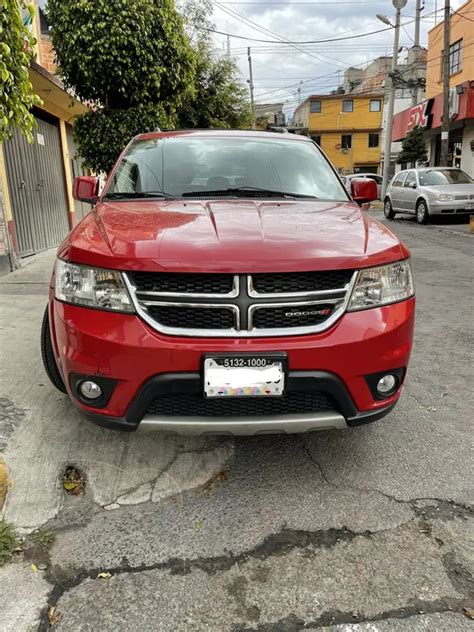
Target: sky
x=279, y=69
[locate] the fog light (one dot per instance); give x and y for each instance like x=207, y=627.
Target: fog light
x=90, y=390
x=387, y=384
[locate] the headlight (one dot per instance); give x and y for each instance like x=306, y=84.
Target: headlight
x=381, y=286
x=91, y=287
x=446, y=197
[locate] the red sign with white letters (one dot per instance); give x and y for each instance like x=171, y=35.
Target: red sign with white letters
x=428, y=114
x=421, y=116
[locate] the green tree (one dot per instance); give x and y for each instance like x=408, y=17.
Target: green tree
x=133, y=60
x=413, y=149
x=220, y=99
x=16, y=50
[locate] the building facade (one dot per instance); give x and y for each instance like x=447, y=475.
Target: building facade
x=410, y=80
x=37, y=209
x=428, y=112
x=268, y=114
x=461, y=51
x=347, y=127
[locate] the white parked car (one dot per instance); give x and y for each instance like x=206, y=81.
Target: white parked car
x=430, y=191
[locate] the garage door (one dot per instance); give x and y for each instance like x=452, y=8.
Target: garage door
x=37, y=190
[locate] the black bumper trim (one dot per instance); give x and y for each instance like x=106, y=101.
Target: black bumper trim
x=176, y=383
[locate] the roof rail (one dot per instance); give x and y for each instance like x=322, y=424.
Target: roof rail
x=278, y=129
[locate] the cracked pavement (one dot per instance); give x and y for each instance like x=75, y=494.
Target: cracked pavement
x=365, y=530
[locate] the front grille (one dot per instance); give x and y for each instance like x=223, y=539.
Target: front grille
x=293, y=402
x=300, y=281
x=180, y=317
x=182, y=283
x=277, y=317
x=245, y=305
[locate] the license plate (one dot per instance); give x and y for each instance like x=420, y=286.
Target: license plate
x=244, y=376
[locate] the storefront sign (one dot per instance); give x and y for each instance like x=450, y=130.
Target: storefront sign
x=421, y=115
x=429, y=113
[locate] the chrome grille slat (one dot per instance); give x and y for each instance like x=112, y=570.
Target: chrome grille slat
x=244, y=303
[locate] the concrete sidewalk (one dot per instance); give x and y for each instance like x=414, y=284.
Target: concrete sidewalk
x=44, y=433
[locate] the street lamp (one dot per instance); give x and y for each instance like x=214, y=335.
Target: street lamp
x=383, y=18
x=398, y=5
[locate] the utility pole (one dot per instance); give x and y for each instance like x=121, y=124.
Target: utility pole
x=398, y=5
x=416, y=46
x=417, y=23
x=299, y=92
x=250, y=81
x=443, y=158
x=228, y=47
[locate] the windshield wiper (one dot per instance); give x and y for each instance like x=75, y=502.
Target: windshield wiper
x=246, y=191
x=130, y=195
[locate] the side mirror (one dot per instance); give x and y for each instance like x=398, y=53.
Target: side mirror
x=363, y=190
x=85, y=189
x=413, y=185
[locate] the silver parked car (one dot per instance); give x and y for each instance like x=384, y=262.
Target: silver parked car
x=346, y=180
x=429, y=191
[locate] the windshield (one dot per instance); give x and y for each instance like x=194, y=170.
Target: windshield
x=197, y=166
x=443, y=176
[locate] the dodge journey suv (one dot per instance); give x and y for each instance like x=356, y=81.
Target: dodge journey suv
x=226, y=281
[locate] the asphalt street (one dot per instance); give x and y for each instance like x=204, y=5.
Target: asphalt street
x=362, y=530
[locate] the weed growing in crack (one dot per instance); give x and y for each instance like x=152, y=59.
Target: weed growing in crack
x=7, y=542
x=42, y=537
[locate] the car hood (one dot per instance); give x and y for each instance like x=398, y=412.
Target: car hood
x=230, y=236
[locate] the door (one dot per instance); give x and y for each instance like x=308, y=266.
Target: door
x=396, y=191
x=81, y=208
x=409, y=192
x=37, y=188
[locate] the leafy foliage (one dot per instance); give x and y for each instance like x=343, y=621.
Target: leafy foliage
x=16, y=51
x=121, y=53
x=102, y=135
x=413, y=149
x=133, y=59
x=220, y=99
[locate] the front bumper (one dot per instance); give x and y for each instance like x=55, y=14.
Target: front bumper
x=454, y=207
x=141, y=362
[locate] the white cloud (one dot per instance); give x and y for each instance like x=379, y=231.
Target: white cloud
x=278, y=66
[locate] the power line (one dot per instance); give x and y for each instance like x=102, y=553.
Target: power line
x=242, y=18
x=334, y=39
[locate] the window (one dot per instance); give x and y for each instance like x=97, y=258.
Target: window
x=434, y=177
x=205, y=166
x=410, y=180
x=346, y=141
x=455, y=58
x=348, y=105
x=398, y=180
x=375, y=105
x=315, y=107
x=374, y=140
x=316, y=139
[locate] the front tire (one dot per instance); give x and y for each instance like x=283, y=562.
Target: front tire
x=388, y=210
x=47, y=353
x=422, y=213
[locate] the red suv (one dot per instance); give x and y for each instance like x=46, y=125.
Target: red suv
x=225, y=281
